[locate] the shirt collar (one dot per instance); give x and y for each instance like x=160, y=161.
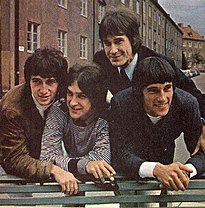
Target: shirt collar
x=154, y=119
x=129, y=69
x=41, y=108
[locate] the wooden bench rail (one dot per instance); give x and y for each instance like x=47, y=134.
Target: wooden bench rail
x=28, y=201
x=9, y=186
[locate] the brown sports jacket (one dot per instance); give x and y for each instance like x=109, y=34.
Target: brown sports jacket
x=21, y=128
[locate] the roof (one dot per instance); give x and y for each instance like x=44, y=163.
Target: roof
x=189, y=33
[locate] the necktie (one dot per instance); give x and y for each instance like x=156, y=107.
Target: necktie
x=124, y=75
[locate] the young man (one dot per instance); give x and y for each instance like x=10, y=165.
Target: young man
x=123, y=49
x=147, y=118
x=22, y=117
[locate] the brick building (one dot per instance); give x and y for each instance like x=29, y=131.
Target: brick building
x=72, y=26
x=193, y=47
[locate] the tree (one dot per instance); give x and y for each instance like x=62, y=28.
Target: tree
x=197, y=58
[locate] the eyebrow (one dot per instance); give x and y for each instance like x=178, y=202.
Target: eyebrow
x=151, y=88
x=154, y=88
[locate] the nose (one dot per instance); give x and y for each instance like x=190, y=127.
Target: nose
x=73, y=101
x=162, y=96
x=114, y=49
x=44, y=88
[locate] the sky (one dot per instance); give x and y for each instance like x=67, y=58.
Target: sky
x=189, y=12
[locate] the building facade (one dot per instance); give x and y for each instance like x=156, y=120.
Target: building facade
x=193, y=47
x=72, y=26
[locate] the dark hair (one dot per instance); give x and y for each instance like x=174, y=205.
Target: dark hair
x=152, y=70
x=121, y=22
x=47, y=63
x=90, y=81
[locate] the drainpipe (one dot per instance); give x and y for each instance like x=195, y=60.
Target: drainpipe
x=16, y=42
x=94, y=19
x=0, y=59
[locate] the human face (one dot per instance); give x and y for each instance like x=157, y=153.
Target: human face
x=118, y=49
x=43, y=89
x=78, y=103
x=158, y=98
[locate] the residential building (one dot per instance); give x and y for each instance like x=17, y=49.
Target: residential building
x=193, y=47
x=72, y=26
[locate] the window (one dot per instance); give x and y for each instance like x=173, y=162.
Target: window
x=33, y=35
x=190, y=44
x=200, y=45
x=195, y=45
x=150, y=33
x=83, y=47
x=159, y=19
x=101, y=13
x=100, y=45
x=185, y=54
x=136, y=6
x=184, y=43
x=84, y=8
x=155, y=15
x=150, y=11
x=62, y=42
x=62, y=3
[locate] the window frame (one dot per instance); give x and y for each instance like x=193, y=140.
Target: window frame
x=83, y=47
x=84, y=8
x=63, y=3
x=63, y=42
x=32, y=33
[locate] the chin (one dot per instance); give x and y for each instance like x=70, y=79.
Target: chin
x=44, y=103
x=164, y=113
x=74, y=117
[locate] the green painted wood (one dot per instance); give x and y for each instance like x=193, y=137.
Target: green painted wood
x=102, y=200
x=123, y=183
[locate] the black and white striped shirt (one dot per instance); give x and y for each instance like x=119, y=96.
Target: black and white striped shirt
x=90, y=142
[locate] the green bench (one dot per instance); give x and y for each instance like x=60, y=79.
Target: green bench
x=13, y=186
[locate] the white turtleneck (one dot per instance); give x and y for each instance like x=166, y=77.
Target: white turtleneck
x=41, y=108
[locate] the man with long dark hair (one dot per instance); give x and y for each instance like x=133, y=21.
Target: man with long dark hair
x=22, y=118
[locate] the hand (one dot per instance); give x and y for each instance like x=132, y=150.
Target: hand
x=66, y=180
x=172, y=176
x=98, y=168
x=201, y=142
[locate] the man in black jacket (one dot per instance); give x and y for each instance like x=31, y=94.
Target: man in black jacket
x=123, y=49
x=147, y=118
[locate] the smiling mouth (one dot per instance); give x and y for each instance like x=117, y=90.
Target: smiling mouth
x=115, y=57
x=75, y=110
x=161, y=105
x=44, y=98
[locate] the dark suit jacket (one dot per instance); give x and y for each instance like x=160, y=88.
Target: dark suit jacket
x=135, y=139
x=114, y=82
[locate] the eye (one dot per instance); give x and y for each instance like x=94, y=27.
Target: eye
x=36, y=81
x=51, y=81
x=82, y=96
x=118, y=41
x=168, y=88
x=106, y=43
x=69, y=93
x=152, y=90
